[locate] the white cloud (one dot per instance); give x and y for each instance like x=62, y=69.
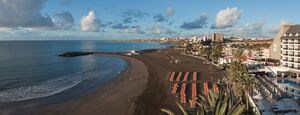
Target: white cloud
x=160, y=30
x=169, y=11
x=251, y=30
x=228, y=17
x=286, y=22
x=23, y=13
x=90, y=23
x=134, y=30
x=63, y=20
x=6, y=29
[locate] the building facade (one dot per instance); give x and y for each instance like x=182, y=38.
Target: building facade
x=217, y=37
x=286, y=48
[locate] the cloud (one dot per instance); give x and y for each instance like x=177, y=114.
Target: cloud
x=197, y=23
x=6, y=29
x=274, y=29
x=63, y=20
x=119, y=26
x=66, y=2
x=90, y=23
x=227, y=18
x=169, y=11
x=159, y=18
x=134, y=14
x=23, y=13
x=134, y=30
x=128, y=20
x=251, y=30
x=161, y=30
x=286, y=22
x=106, y=24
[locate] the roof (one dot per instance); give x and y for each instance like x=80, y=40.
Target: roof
x=293, y=29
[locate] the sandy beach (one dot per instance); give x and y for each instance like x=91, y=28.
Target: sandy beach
x=115, y=98
x=142, y=89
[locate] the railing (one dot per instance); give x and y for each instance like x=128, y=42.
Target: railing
x=297, y=61
x=297, y=68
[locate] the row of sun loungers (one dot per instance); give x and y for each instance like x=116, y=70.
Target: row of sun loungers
x=187, y=86
x=176, y=84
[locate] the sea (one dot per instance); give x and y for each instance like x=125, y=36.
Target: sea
x=33, y=71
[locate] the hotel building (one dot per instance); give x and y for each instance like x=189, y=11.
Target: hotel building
x=286, y=48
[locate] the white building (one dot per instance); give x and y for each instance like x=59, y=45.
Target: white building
x=286, y=48
x=226, y=60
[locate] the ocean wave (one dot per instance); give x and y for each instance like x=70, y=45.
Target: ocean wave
x=53, y=86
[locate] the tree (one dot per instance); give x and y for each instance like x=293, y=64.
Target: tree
x=213, y=104
x=240, y=81
x=206, y=52
x=216, y=52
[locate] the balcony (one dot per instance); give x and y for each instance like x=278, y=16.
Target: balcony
x=285, y=65
x=291, y=54
x=284, y=48
x=297, y=68
x=291, y=60
x=297, y=61
x=291, y=42
x=297, y=42
x=284, y=42
x=285, y=59
x=291, y=48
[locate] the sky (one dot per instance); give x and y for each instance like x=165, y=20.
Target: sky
x=142, y=19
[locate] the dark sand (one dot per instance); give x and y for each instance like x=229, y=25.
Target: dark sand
x=141, y=90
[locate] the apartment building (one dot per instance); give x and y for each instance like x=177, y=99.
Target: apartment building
x=217, y=37
x=286, y=48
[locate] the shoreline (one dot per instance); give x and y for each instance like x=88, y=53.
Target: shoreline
x=142, y=89
x=121, y=91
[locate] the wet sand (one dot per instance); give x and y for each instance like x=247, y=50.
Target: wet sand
x=115, y=98
x=141, y=90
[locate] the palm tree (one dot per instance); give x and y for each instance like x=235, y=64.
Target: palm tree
x=206, y=52
x=238, y=54
x=213, y=104
x=240, y=80
x=216, y=52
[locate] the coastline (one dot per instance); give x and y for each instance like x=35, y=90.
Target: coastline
x=142, y=89
x=117, y=97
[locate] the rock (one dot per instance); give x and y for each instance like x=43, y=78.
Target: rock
x=74, y=54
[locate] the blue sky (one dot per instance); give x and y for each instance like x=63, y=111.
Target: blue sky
x=133, y=19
